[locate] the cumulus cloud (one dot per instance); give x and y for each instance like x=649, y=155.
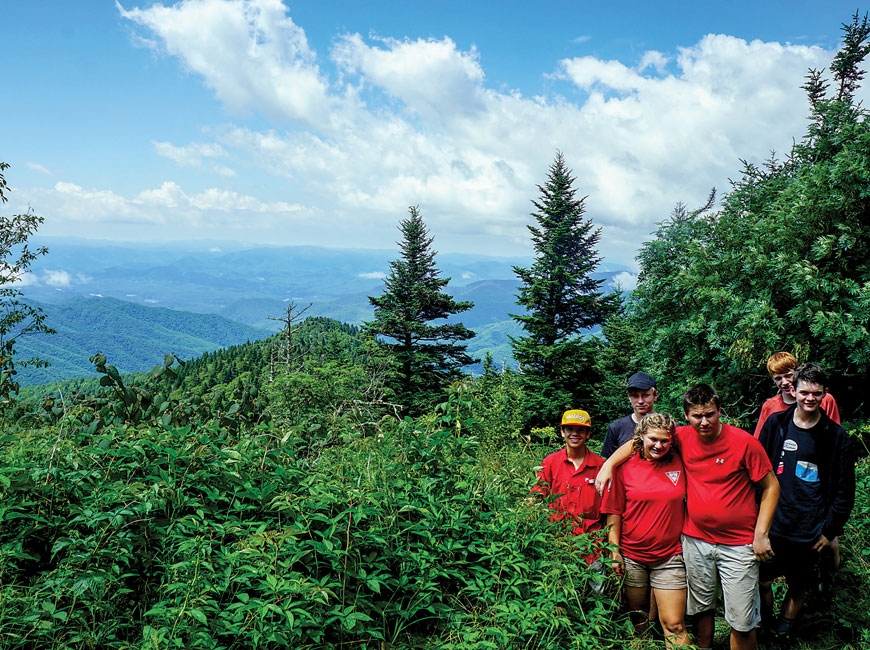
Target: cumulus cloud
x=349, y=138
x=372, y=275
x=254, y=57
x=57, y=279
x=625, y=281
x=431, y=77
x=168, y=211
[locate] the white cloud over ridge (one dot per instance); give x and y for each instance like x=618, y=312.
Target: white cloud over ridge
x=349, y=138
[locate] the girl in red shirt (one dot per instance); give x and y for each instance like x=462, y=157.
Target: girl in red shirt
x=645, y=509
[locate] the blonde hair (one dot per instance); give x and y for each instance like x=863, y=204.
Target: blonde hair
x=661, y=421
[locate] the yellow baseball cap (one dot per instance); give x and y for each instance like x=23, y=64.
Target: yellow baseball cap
x=577, y=418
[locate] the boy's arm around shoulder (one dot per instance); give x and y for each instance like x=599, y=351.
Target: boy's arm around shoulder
x=605, y=474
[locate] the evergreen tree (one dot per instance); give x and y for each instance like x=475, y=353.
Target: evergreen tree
x=428, y=356
x=615, y=362
x=561, y=299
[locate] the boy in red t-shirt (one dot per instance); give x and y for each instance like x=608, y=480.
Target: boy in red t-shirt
x=781, y=366
x=570, y=473
x=725, y=533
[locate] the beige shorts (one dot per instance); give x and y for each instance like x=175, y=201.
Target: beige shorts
x=670, y=574
x=736, y=568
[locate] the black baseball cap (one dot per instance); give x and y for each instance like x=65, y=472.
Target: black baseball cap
x=641, y=381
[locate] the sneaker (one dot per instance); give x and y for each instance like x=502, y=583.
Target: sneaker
x=783, y=628
x=826, y=589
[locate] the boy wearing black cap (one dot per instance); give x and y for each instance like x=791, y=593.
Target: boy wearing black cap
x=642, y=394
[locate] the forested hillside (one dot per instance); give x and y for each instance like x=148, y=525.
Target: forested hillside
x=134, y=336
x=81, y=321
x=261, y=496
x=336, y=486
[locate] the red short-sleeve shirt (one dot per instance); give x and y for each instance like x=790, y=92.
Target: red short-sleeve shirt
x=579, y=499
x=721, y=475
x=650, y=497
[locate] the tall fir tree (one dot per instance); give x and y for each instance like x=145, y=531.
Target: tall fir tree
x=428, y=355
x=561, y=299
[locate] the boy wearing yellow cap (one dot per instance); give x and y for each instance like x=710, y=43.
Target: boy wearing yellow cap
x=570, y=473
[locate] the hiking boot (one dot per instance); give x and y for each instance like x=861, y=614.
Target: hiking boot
x=783, y=628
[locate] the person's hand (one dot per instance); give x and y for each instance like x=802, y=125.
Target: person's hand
x=617, y=563
x=602, y=481
x=821, y=543
x=761, y=547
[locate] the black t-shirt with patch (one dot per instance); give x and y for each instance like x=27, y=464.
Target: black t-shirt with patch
x=800, y=513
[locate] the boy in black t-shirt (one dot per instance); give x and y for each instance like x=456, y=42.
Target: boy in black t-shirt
x=642, y=395
x=814, y=462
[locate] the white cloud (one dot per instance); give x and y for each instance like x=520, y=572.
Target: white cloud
x=168, y=204
x=431, y=77
x=39, y=168
x=57, y=279
x=372, y=275
x=26, y=279
x=226, y=172
x=411, y=121
x=625, y=281
x=248, y=51
x=192, y=155
x=653, y=59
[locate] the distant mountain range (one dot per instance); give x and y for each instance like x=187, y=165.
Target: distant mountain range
x=137, y=302
x=133, y=337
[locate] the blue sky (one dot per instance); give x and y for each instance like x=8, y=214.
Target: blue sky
x=262, y=122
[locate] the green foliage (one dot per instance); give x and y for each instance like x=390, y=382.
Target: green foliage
x=494, y=399
x=17, y=317
x=183, y=537
x=615, y=361
x=782, y=266
x=560, y=298
x=428, y=356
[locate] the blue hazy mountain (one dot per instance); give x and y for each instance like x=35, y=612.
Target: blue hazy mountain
x=133, y=337
x=250, y=287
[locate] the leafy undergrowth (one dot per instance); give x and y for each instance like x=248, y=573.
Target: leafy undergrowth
x=162, y=537
x=420, y=535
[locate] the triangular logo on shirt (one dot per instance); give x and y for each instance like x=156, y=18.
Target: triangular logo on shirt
x=674, y=476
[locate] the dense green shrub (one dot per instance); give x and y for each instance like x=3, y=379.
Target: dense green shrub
x=159, y=537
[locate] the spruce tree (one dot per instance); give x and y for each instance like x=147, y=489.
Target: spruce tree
x=561, y=299
x=428, y=355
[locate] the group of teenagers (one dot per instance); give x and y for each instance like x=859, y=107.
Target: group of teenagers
x=695, y=509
